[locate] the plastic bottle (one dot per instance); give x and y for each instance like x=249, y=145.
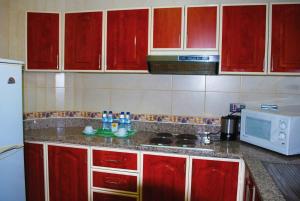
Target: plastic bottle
x=122, y=120
x=104, y=120
x=128, y=121
x=110, y=120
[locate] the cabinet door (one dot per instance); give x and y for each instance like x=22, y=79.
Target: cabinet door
x=243, y=38
x=83, y=41
x=285, y=41
x=127, y=39
x=34, y=172
x=97, y=196
x=42, y=41
x=167, y=27
x=214, y=180
x=163, y=178
x=201, y=27
x=68, y=173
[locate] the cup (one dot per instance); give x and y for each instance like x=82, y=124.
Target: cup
x=88, y=129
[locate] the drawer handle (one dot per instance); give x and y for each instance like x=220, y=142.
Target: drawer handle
x=112, y=181
x=113, y=161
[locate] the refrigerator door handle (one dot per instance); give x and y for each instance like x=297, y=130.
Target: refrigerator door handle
x=9, y=148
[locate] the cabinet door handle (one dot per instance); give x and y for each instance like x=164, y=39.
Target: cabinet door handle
x=57, y=62
x=99, y=60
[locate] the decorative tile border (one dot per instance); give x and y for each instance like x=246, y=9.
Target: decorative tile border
x=135, y=117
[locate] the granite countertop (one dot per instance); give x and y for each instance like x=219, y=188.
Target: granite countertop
x=252, y=155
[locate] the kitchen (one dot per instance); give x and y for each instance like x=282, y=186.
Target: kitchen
x=60, y=100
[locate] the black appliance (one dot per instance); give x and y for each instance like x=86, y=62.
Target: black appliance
x=183, y=64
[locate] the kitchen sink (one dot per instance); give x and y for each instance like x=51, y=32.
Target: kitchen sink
x=287, y=178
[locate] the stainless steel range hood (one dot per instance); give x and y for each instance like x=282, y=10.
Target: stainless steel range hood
x=183, y=64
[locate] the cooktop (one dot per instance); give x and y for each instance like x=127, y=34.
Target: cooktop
x=193, y=141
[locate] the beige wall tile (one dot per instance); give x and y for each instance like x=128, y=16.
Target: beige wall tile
x=188, y=103
x=189, y=82
x=141, y=81
x=126, y=100
x=223, y=83
x=29, y=100
x=29, y=79
x=288, y=84
x=40, y=100
x=138, y=101
x=92, y=80
x=95, y=100
x=217, y=103
x=259, y=83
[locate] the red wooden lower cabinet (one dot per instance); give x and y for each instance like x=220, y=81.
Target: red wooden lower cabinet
x=68, y=173
x=214, y=180
x=97, y=196
x=163, y=178
x=34, y=172
x=115, y=181
x=250, y=190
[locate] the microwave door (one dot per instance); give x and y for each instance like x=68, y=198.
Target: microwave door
x=258, y=128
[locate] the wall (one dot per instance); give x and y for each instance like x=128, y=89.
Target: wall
x=139, y=93
x=4, y=24
x=157, y=94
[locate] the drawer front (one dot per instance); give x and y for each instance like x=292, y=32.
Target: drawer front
x=115, y=181
x=111, y=197
x=112, y=159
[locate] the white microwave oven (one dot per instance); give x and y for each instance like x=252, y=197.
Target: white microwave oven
x=278, y=131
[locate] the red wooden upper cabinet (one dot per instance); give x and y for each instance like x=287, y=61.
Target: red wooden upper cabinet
x=68, y=173
x=167, y=28
x=127, y=39
x=34, y=172
x=214, y=180
x=163, y=178
x=285, y=40
x=201, y=27
x=42, y=41
x=83, y=41
x=243, y=38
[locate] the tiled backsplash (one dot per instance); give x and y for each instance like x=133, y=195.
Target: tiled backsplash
x=189, y=95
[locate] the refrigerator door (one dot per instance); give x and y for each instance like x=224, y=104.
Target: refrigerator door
x=11, y=118
x=12, y=183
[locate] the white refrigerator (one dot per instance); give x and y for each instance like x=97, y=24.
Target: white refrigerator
x=12, y=179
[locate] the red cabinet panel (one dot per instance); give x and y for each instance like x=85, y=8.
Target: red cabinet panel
x=250, y=190
x=167, y=27
x=110, y=197
x=83, y=41
x=202, y=27
x=127, y=39
x=42, y=41
x=34, y=172
x=163, y=178
x=214, y=180
x=113, y=159
x=243, y=38
x=115, y=181
x=285, y=41
x=68, y=173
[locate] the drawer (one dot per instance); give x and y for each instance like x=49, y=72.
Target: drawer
x=115, y=181
x=97, y=196
x=113, y=159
